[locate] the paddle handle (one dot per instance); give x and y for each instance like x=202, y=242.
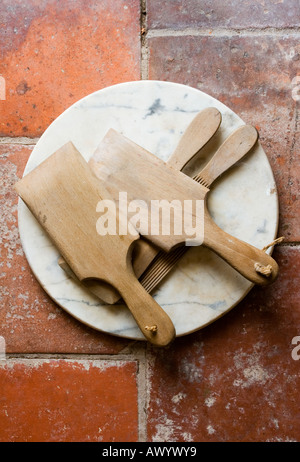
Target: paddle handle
x=233, y=149
x=196, y=136
x=252, y=263
x=152, y=320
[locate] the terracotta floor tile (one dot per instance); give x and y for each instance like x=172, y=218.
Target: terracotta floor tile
x=253, y=76
x=30, y=321
x=217, y=13
x=235, y=380
x=68, y=401
x=52, y=53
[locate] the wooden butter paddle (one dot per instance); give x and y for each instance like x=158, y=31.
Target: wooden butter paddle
x=63, y=193
x=124, y=166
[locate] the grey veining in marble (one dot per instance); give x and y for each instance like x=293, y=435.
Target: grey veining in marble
x=243, y=202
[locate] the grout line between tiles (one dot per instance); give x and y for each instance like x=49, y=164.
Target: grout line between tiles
x=142, y=382
x=223, y=32
x=18, y=140
x=74, y=356
x=142, y=387
x=144, y=44
x=145, y=61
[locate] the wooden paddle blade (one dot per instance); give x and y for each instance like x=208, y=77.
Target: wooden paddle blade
x=63, y=195
x=128, y=168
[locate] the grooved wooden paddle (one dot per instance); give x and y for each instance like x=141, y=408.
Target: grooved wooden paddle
x=63, y=194
x=124, y=166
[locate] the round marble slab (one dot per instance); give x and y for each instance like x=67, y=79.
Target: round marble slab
x=243, y=202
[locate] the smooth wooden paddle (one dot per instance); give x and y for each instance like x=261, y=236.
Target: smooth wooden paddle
x=124, y=166
x=63, y=194
x=202, y=128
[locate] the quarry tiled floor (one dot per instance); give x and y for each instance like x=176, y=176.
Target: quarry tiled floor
x=235, y=380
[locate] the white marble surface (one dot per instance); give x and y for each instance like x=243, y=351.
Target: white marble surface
x=243, y=202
